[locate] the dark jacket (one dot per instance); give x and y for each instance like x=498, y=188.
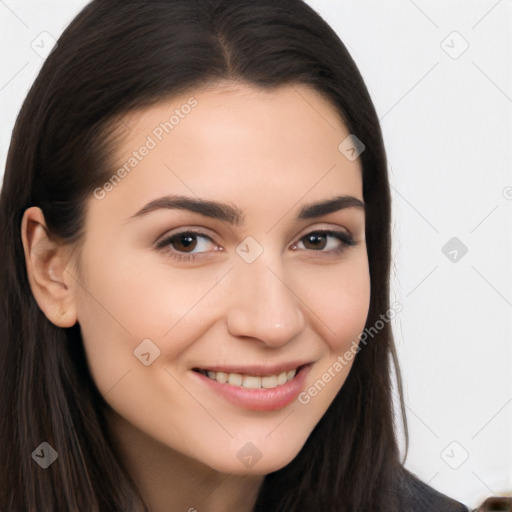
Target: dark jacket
x=417, y=496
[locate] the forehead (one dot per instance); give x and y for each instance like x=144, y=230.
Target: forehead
x=231, y=141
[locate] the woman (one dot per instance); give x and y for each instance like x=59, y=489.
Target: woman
x=195, y=265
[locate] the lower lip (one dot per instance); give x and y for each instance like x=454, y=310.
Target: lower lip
x=259, y=399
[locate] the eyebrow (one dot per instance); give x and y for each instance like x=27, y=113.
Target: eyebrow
x=233, y=215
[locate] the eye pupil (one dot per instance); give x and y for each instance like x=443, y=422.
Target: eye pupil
x=316, y=240
x=186, y=241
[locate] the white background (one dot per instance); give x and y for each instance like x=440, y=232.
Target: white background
x=447, y=124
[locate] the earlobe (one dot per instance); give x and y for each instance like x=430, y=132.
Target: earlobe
x=46, y=261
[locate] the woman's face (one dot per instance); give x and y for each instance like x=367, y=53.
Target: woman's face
x=228, y=273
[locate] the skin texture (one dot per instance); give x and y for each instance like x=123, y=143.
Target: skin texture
x=268, y=153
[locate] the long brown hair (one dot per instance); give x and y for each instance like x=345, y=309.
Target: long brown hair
x=121, y=55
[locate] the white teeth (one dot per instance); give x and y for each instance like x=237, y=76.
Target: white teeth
x=269, y=382
x=221, y=377
x=281, y=378
x=251, y=381
x=235, y=379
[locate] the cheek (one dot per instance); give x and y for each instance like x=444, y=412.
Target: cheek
x=124, y=301
x=142, y=297
x=339, y=301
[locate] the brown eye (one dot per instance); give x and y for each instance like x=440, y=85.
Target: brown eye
x=184, y=243
x=188, y=242
x=332, y=241
x=315, y=241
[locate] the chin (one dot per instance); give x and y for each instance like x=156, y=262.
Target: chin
x=260, y=468
x=251, y=461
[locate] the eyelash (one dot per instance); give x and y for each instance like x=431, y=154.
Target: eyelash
x=347, y=241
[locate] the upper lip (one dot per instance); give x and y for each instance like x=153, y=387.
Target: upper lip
x=261, y=370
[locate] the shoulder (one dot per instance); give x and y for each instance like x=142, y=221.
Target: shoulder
x=417, y=496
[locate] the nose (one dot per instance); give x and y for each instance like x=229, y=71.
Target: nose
x=263, y=305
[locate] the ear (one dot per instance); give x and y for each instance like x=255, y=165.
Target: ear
x=47, y=263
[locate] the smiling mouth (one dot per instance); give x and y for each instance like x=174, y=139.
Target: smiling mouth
x=251, y=381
